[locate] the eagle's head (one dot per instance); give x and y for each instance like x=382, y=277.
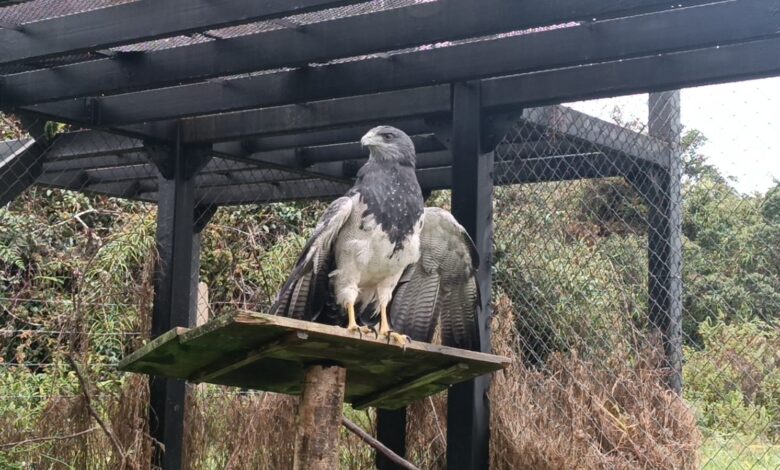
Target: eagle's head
x=386, y=143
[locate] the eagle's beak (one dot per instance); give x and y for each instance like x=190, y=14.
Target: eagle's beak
x=369, y=139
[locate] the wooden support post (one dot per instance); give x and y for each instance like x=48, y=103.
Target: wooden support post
x=468, y=414
x=661, y=187
x=391, y=431
x=319, y=418
x=175, y=294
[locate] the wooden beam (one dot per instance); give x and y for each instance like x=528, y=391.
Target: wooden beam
x=175, y=294
x=369, y=110
x=662, y=189
x=246, y=358
x=88, y=162
x=79, y=144
x=329, y=136
x=472, y=198
x=653, y=73
x=670, y=31
x=386, y=30
x=271, y=192
x=19, y=168
x=139, y=21
x=396, y=391
x=590, y=131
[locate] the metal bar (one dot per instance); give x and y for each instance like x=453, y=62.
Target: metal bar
x=139, y=21
x=392, y=29
x=670, y=31
x=472, y=194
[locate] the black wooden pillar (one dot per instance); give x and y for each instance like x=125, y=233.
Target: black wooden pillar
x=661, y=187
x=391, y=431
x=468, y=414
x=176, y=279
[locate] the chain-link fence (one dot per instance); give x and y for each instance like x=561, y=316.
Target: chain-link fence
x=590, y=202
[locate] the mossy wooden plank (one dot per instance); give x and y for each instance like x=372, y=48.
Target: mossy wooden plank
x=157, y=357
x=403, y=390
x=270, y=353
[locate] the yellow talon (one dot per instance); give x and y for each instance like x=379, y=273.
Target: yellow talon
x=402, y=340
x=385, y=331
x=352, y=325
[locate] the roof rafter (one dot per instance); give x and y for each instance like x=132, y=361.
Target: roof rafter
x=668, y=31
x=380, y=31
x=138, y=21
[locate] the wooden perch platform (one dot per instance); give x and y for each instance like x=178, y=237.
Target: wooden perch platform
x=265, y=352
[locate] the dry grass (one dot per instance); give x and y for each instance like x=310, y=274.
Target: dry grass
x=576, y=414
x=572, y=414
x=239, y=431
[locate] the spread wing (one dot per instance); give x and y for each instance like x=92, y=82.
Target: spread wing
x=442, y=285
x=305, y=293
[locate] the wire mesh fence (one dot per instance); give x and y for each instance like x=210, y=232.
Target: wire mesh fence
x=585, y=279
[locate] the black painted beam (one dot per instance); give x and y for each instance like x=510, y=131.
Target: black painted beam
x=175, y=284
x=91, y=162
x=664, y=238
x=80, y=144
x=20, y=167
x=381, y=31
x=329, y=136
x=258, y=193
x=140, y=21
x=576, y=126
x=675, y=30
x=468, y=412
x=368, y=110
x=435, y=174
x=653, y=73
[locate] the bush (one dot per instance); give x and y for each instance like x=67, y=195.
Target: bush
x=734, y=380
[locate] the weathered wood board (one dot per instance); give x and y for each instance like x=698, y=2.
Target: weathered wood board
x=264, y=352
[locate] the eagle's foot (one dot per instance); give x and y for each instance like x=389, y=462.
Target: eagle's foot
x=359, y=329
x=397, y=338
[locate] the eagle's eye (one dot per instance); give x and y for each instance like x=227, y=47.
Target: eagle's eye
x=386, y=135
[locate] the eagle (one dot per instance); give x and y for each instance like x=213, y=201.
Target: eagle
x=379, y=252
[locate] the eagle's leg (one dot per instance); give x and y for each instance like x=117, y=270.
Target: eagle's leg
x=385, y=331
x=352, y=325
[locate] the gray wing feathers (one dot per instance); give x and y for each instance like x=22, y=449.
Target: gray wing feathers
x=412, y=311
x=305, y=291
x=442, y=285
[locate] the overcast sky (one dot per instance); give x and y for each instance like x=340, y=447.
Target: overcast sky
x=741, y=121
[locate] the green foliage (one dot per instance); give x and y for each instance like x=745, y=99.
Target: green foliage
x=734, y=379
x=573, y=281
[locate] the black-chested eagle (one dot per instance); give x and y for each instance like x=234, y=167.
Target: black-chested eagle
x=379, y=251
